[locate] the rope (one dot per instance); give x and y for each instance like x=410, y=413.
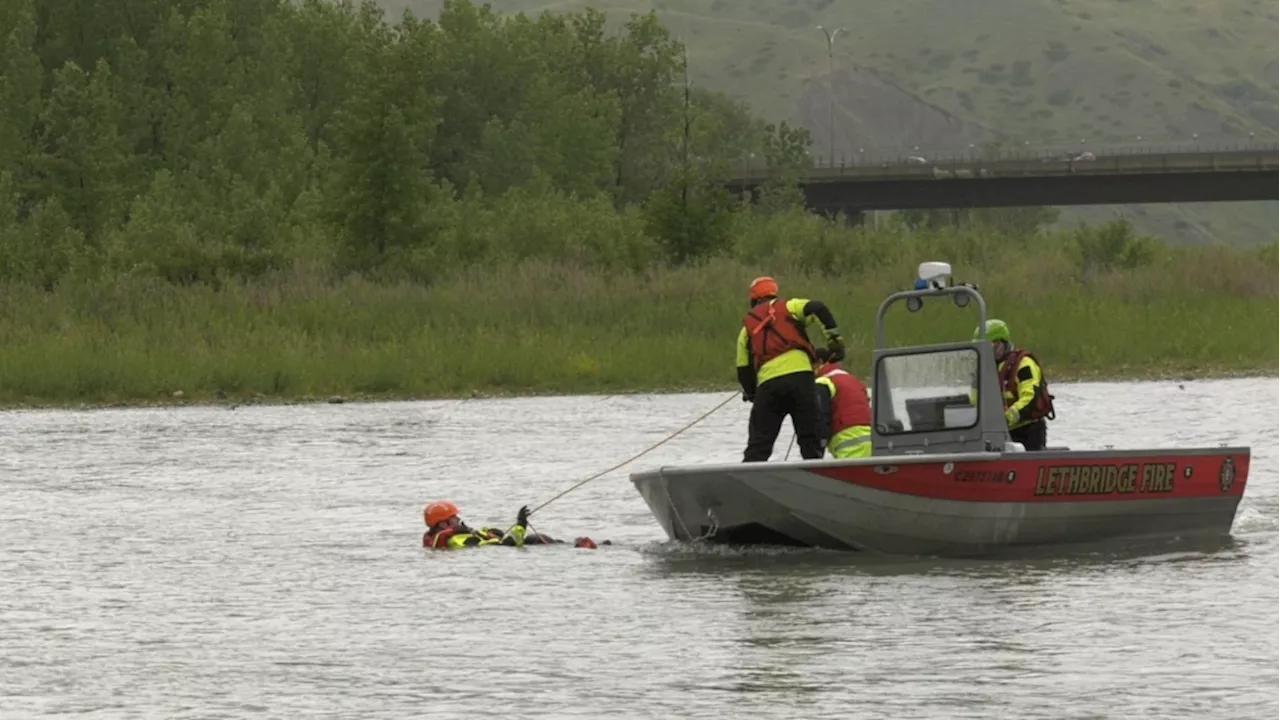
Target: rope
x=789, y=445
x=639, y=455
x=675, y=512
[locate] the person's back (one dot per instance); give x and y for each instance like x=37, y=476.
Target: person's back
x=845, y=406
x=775, y=368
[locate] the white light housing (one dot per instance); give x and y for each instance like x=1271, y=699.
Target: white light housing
x=935, y=273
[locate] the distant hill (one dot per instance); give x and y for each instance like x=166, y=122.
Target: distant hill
x=941, y=74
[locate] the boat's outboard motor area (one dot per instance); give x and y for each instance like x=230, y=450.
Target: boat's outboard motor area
x=942, y=398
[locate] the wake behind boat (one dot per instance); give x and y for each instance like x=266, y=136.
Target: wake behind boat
x=944, y=478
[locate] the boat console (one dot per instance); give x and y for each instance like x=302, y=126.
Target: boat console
x=941, y=398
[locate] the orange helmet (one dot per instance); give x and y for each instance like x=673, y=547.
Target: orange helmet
x=763, y=287
x=439, y=511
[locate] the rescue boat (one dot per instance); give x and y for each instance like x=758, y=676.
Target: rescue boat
x=943, y=478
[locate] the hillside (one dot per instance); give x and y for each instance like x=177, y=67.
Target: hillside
x=946, y=73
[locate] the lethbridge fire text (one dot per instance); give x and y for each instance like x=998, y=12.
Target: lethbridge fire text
x=1105, y=479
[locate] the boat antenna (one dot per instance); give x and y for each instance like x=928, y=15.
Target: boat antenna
x=638, y=455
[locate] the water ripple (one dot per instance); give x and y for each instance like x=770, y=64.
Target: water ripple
x=175, y=563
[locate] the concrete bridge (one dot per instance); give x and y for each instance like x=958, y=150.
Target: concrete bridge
x=1222, y=173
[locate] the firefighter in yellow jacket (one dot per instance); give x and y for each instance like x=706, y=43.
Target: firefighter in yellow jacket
x=1027, y=401
x=775, y=368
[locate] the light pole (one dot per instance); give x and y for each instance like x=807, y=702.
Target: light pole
x=684, y=181
x=831, y=93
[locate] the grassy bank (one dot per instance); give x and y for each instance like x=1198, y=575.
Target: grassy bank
x=540, y=326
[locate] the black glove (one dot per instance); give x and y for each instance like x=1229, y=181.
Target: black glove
x=835, y=344
x=748, y=398
x=522, y=517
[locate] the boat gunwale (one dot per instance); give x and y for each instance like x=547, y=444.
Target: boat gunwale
x=883, y=460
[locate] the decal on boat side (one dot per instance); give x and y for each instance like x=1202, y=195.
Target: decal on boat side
x=986, y=476
x=1025, y=478
x=1227, y=475
x=1105, y=479
x=1158, y=477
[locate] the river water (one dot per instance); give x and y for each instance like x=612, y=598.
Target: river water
x=267, y=562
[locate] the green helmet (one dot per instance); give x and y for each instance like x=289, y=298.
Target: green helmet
x=996, y=330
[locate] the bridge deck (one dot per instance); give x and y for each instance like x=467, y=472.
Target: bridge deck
x=1211, y=175
x=975, y=167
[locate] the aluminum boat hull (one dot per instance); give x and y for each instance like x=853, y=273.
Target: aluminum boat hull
x=963, y=504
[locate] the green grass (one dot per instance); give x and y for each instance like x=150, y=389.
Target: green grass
x=542, y=326
x=941, y=74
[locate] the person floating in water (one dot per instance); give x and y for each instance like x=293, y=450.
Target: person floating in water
x=446, y=531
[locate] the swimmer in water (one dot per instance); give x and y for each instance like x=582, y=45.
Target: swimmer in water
x=446, y=531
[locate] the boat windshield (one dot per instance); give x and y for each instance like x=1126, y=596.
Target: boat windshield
x=927, y=392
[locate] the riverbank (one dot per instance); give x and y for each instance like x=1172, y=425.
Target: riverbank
x=552, y=328
x=180, y=399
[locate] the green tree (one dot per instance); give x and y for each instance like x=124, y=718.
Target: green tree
x=786, y=152
x=478, y=81
x=691, y=219
x=722, y=131
x=20, y=83
x=1110, y=247
x=564, y=135
x=638, y=68
x=322, y=37
x=383, y=187
x=44, y=248
x=83, y=159
x=161, y=240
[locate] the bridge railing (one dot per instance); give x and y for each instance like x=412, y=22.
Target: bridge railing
x=824, y=165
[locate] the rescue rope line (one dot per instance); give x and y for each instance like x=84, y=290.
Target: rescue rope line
x=789, y=446
x=675, y=513
x=639, y=455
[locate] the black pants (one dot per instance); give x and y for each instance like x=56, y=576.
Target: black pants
x=1032, y=437
x=791, y=394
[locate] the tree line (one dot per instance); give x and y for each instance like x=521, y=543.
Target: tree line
x=195, y=139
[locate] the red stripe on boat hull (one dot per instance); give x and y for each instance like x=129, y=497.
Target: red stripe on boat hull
x=1048, y=478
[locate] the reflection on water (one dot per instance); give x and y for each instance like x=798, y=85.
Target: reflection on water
x=265, y=562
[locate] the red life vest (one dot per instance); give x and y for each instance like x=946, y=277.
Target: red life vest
x=850, y=406
x=771, y=331
x=1041, y=406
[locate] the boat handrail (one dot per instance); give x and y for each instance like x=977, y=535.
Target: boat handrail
x=989, y=431
x=930, y=284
